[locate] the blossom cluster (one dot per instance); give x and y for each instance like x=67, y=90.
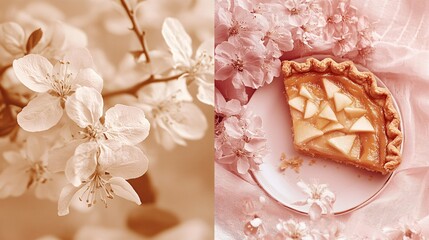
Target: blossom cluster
x=322, y=225
x=252, y=36
x=67, y=134
x=239, y=139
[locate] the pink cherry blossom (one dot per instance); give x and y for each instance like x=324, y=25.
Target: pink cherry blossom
x=320, y=199
x=239, y=25
x=297, y=12
x=224, y=108
x=241, y=65
x=279, y=34
x=272, y=63
x=406, y=229
x=291, y=229
x=334, y=231
x=344, y=43
x=366, y=34
x=304, y=38
x=346, y=12
x=239, y=138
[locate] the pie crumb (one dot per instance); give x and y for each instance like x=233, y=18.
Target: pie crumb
x=312, y=162
x=294, y=163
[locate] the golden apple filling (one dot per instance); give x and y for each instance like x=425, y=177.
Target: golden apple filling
x=334, y=118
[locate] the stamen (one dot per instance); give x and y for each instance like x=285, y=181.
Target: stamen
x=38, y=174
x=98, y=188
x=238, y=63
x=60, y=81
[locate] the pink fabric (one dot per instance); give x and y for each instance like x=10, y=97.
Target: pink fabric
x=401, y=60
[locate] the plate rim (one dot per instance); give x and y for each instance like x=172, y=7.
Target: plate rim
x=388, y=180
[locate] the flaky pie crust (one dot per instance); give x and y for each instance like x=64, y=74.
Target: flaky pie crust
x=381, y=96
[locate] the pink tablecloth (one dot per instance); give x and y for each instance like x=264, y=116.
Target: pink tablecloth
x=401, y=59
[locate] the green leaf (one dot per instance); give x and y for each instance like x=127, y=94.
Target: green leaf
x=33, y=39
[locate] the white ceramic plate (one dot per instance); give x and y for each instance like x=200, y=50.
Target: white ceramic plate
x=353, y=187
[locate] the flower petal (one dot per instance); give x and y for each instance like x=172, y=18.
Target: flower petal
x=34, y=148
x=243, y=166
x=165, y=133
x=32, y=70
x=124, y=190
x=58, y=157
x=74, y=37
x=123, y=161
x=41, y=113
x=233, y=127
x=51, y=189
x=14, y=180
x=224, y=72
x=85, y=106
x=152, y=94
x=87, y=77
x=126, y=124
x=79, y=58
x=12, y=38
x=227, y=159
x=166, y=138
x=206, y=48
x=189, y=122
x=315, y=211
x=66, y=196
x=13, y=157
x=206, y=92
x=178, y=41
x=83, y=164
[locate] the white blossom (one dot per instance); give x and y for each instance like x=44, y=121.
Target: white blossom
x=54, y=84
x=175, y=118
x=98, y=172
x=125, y=124
x=200, y=68
x=105, y=157
x=27, y=169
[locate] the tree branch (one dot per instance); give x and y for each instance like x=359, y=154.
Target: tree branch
x=140, y=34
x=133, y=89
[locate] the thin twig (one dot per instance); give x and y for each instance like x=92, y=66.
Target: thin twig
x=140, y=34
x=133, y=89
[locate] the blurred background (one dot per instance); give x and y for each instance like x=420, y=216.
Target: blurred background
x=178, y=189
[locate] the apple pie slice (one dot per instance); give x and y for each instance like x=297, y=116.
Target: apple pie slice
x=341, y=114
